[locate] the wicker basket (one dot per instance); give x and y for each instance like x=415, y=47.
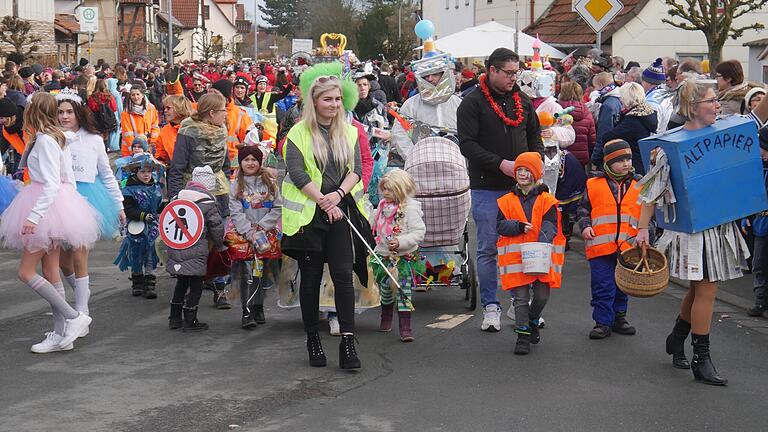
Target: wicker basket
x=642, y=273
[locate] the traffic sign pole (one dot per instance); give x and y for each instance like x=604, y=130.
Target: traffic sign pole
x=90, y=36
x=599, y=40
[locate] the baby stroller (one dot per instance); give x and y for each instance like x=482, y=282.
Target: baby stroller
x=442, y=186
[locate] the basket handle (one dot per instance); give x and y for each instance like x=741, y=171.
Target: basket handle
x=643, y=260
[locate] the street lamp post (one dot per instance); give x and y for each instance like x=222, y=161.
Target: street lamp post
x=170, y=33
x=255, y=30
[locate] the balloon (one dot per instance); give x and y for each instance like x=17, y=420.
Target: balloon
x=424, y=29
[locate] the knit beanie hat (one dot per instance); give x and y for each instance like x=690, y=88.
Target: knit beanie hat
x=468, y=74
x=37, y=68
x=616, y=150
x=752, y=93
x=250, y=150
x=225, y=87
x=140, y=141
x=654, y=74
x=532, y=162
x=241, y=81
x=26, y=72
x=7, y=108
x=763, y=135
x=204, y=175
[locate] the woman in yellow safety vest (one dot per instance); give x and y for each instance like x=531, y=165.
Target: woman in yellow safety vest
x=322, y=189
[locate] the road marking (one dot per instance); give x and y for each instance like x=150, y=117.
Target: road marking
x=448, y=322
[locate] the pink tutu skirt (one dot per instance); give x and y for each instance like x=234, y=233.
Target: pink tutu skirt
x=69, y=222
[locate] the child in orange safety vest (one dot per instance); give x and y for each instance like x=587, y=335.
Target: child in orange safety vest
x=528, y=214
x=608, y=218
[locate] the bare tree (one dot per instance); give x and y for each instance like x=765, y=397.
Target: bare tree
x=16, y=32
x=204, y=44
x=714, y=18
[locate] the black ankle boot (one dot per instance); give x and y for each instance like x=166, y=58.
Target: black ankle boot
x=523, y=344
x=676, y=343
x=702, y=367
x=347, y=354
x=622, y=326
x=315, y=350
x=257, y=312
x=247, y=321
x=150, y=281
x=535, y=335
x=175, y=320
x=191, y=324
x=137, y=284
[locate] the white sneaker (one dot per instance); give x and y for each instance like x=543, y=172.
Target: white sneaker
x=333, y=323
x=74, y=328
x=540, y=322
x=491, y=318
x=50, y=344
x=511, y=310
x=85, y=332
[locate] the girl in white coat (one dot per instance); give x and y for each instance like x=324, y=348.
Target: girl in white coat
x=95, y=182
x=47, y=214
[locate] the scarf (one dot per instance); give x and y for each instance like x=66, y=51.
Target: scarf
x=607, y=89
x=616, y=177
x=384, y=224
x=364, y=106
x=138, y=109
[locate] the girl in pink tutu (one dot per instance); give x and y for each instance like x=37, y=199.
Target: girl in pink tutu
x=47, y=214
x=95, y=182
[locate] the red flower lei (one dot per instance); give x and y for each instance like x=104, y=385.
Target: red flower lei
x=497, y=109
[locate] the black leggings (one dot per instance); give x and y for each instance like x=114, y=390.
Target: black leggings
x=195, y=286
x=337, y=252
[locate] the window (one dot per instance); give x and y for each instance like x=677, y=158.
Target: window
x=765, y=73
x=206, y=12
x=695, y=56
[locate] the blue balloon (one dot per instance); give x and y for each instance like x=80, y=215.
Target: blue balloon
x=424, y=29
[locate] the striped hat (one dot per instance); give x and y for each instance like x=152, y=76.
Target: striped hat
x=654, y=74
x=616, y=150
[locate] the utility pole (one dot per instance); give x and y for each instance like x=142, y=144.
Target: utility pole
x=255, y=30
x=15, y=8
x=170, y=33
x=517, y=25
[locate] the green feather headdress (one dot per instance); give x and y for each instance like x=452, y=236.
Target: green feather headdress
x=348, y=87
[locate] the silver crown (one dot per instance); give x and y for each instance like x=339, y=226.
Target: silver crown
x=68, y=94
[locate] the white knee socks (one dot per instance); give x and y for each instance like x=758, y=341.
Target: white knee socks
x=58, y=318
x=70, y=280
x=56, y=299
x=82, y=294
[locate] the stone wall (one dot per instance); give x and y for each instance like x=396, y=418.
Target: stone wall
x=45, y=31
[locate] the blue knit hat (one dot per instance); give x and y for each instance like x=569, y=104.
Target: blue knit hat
x=654, y=74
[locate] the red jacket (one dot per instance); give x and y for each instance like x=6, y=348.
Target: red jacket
x=97, y=99
x=584, y=126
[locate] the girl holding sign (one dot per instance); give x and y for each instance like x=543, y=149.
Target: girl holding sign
x=95, y=182
x=47, y=214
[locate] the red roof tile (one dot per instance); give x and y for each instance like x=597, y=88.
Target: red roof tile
x=225, y=1
x=560, y=26
x=186, y=11
x=67, y=23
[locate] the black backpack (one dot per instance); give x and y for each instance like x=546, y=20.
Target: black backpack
x=105, y=118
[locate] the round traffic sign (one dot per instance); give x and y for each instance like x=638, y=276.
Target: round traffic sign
x=89, y=14
x=181, y=224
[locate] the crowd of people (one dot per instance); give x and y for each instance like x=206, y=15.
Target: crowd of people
x=284, y=159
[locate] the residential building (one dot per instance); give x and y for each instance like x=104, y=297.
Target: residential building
x=757, y=64
x=40, y=13
x=638, y=33
x=504, y=11
x=449, y=16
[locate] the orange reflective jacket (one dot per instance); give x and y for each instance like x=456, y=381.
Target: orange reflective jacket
x=166, y=142
x=16, y=141
x=133, y=125
x=613, y=222
x=510, y=256
x=238, y=125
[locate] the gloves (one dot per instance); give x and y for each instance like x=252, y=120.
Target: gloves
x=149, y=218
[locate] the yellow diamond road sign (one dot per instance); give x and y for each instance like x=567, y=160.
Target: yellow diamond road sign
x=598, y=13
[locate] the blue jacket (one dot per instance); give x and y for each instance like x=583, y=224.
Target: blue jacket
x=610, y=111
x=638, y=123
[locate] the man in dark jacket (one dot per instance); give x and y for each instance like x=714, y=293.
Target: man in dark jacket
x=491, y=143
x=389, y=85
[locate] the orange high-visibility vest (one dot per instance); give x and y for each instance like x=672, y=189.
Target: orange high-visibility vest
x=166, y=142
x=16, y=141
x=510, y=256
x=238, y=124
x=133, y=125
x=613, y=222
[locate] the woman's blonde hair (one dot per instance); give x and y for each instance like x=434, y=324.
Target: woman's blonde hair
x=339, y=145
x=41, y=115
x=631, y=94
x=570, y=91
x=16, y=83
x=181, y=105
x=602, y=79
x=400, y=183
x=208, y=103
x=691, y=91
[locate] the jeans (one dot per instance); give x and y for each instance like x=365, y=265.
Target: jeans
x=526, y=313
x=337, y=252
x=759, y=264
x=607, y=299
x=195, y=286
x=484, y=212
x=251, y=289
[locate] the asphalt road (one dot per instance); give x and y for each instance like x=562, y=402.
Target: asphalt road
x=133, y=374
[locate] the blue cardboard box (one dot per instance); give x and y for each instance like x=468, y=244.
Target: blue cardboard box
x=716, y=173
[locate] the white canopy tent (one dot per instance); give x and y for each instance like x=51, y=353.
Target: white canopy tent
x=480, y=41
